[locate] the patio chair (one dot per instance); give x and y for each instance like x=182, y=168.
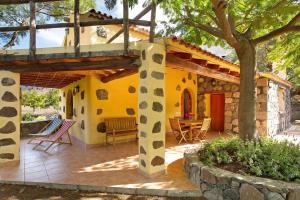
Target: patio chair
x=50, y=128
x=200, y=131
x=179, y=131
x=57, y=137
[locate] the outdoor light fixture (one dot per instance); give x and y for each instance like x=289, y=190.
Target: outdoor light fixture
x=77, y=89
x=213, y=82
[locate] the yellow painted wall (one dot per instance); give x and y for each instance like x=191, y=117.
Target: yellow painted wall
x=119, y=99
x=78, y=103
x=175, y=80
x=89, y=35
x=207, y=105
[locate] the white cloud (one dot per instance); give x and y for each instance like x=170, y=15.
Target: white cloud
x=51, y=37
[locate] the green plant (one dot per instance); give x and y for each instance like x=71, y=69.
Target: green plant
x=27, y=117
x=266, y=158
x=33, y=99
x=52, y=99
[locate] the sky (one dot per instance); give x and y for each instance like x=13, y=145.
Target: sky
x=54, y=37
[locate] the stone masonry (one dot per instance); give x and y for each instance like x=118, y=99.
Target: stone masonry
x=268, y=119
x=278, y=120
x=9, y=116
x=218, y=184
x=151, y=114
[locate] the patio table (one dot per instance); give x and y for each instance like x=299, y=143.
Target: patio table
x=191, y=124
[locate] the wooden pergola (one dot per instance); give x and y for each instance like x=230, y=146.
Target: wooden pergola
x=57, y=70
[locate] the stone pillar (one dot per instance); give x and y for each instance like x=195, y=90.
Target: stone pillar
x=9, y=116
x=151, y=102
x=262, y=106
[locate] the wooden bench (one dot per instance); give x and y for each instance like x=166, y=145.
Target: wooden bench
x=121, y=126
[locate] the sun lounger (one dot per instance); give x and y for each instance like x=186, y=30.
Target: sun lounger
x=57, y=137
x=48, y=129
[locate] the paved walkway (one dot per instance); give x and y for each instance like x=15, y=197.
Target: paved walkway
x=113, y=166
x=292, y=134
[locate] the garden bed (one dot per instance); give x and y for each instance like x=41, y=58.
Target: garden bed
x=223, y=174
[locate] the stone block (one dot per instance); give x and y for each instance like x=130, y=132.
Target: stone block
x=258, y=91
x=262, y=98
x=262, y=82
x=265, y=90
x=263, y=106
x=227, y=88
x=261, y=115
x=294, y=194
x=236, y=95
x=207, y=176
x=213, y=194
x=230, y=194
x=236, y=129
x=229, y=94
x=235, y=122
x=228, y=119
x=250, y=192
x=228, y=113
x=274, y=196
x=228, y=126
x=228, y=100
x=235, y=88
x=257, y=123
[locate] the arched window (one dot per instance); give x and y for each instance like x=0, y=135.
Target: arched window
x=69, y=105
x=186, y=104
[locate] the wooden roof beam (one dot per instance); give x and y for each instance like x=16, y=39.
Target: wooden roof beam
x=124, y=63
x=225, y=70
x=8, y=2
x=199, y=62
x=233, y=73
x=181, y=64
x=213, y=66
x=182, y=55
x=118, y=75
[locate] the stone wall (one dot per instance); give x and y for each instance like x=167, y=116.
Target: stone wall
x=269, y=119
x=216, y=183
x=32, y=127
x=232, y=95
x=262, y=106
x=231, y=91
x=278, y=120
x=9, y=116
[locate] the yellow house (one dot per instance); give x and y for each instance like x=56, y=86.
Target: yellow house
x=169, y=78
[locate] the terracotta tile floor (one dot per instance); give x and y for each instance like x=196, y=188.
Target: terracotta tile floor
x=115, y=166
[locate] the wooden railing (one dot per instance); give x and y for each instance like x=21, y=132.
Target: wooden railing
x=126, y=22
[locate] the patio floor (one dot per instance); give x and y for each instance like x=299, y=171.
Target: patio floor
x=114, y=166
x=292, y=134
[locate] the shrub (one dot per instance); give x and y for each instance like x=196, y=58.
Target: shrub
x=27, y=117
x=266, y=158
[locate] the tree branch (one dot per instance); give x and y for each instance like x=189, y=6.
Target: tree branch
x=11, y=42
x=211, y=30
x=219, y=7
x=290, y=27
x=14, y=37
x=188, y=20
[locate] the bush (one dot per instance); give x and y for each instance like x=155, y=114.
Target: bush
x=27, y=117
x=266, y=158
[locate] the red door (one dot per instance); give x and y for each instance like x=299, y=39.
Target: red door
x=217, y=104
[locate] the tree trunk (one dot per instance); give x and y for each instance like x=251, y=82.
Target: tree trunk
x=247, y=103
